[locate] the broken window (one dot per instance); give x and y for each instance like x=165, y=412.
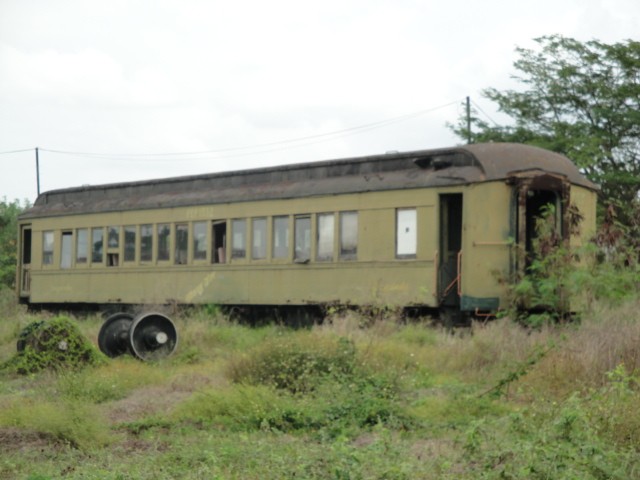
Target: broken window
x=259, y=238
x=146, y=243
x=348, y=235
x=164, y=241
x=280, y=237
x=406, y=233
x=66, y=247
x=302, y=240
x=200, y=240
x=130, y=243
x=239, y=244
x=82, y=245
x=219, y=241
x=97, y=245
x=325, y=235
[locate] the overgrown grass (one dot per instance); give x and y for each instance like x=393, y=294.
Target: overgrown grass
x=347, y=399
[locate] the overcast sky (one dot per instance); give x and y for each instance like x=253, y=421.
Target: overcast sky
x=145, y=84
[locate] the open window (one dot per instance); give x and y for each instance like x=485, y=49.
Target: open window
x=219, y=241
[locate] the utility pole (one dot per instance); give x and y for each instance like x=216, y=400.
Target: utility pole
x=468, y=119
x=38, y=170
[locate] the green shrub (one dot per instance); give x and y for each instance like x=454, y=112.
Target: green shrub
x=541, y=443
x=245, y=407
x=56, y=344
x=295, y=363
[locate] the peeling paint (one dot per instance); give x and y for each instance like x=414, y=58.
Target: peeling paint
x=200, y=288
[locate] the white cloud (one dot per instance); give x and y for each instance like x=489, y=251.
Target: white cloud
x=142, y=76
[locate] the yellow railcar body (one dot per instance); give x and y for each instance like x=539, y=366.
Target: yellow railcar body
x=439, y=233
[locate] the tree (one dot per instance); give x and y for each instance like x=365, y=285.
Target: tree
x=581, y=100
x=9, y=212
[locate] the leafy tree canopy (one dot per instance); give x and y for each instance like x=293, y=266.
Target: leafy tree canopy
x=581, y=99
x=9, y=212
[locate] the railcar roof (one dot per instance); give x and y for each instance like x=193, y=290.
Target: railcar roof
x=403, y=170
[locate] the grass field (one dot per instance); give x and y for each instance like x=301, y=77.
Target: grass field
x=353, y=398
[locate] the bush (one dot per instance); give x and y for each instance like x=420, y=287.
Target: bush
x=297, y=364
x=55, y=344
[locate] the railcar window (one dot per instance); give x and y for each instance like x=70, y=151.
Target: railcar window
x=259, y=238
x=66, y=247
x=164, y=241
x=219, y=254
x=146, y=243
x=113, y=237
x=280, y=237
x=239, y=242
x=406, y=233
x=302, y=239
x=200, y=240
x=130, y=243
x=349, y=235
x=82, y=245
x=47, y=248
x=97, y=245
x=182, y=243
x=325, y=234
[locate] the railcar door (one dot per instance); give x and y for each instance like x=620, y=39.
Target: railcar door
x=24, y=271
x=536, y=195
x=450, y=247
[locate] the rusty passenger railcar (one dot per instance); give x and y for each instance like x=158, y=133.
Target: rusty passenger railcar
x=430, y=228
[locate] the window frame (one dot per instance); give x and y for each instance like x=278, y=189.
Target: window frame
x=79, y=260
x=102, y=251
x=410, y=241
x=199, y=239
x=329, y=237
x=302, y=255
x=239, y=252
x=163, y=253
x=280, y=252
x=128, y=229
x=143, y=247
x=260, y=234
x=350, y=254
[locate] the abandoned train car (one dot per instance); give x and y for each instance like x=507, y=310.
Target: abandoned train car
x=424, y=228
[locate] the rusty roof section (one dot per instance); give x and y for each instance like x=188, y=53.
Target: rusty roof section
x=407, y=170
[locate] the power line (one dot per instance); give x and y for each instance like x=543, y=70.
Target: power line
x=17, y=151
x=485, y=113
x=260, y=148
